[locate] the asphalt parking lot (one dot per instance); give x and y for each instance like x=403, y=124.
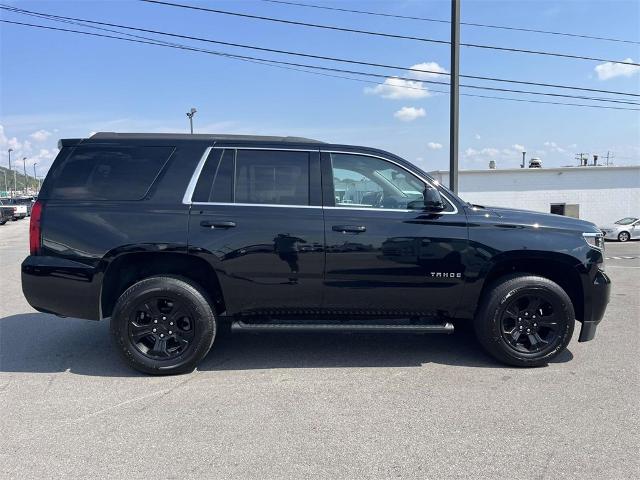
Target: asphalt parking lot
x=316, y=406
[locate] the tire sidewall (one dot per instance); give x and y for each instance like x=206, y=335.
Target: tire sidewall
x=203, y=316
x=624, y=236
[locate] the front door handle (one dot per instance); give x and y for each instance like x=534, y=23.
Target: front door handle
x=216, y=225
x=349, y=228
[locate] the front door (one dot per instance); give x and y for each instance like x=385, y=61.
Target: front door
x=256, y=217
x=383, y=258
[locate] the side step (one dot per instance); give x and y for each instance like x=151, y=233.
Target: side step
x=239, y=325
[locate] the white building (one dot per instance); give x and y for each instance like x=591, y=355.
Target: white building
x=598, y=194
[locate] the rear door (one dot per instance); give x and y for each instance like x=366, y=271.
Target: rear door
x=256, y=217
x=382, y=257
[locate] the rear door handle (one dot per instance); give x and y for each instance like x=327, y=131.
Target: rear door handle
x=214, y=225
x=349, y=228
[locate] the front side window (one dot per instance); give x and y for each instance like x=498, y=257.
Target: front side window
x=368, y=182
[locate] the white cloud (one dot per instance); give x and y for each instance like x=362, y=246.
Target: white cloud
x=395, y=88
x=409, y=114
x=477, y=136
x=434, y=145
x=518, y=147
x=608, y=70
x=40, y=135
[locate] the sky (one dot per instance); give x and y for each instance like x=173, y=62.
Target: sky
x=60, y=85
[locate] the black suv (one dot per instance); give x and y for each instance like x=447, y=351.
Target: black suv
x=179, y=237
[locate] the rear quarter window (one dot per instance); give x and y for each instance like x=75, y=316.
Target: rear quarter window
x=107, y=172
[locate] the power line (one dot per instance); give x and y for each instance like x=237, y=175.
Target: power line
x=384, y=34
x=343, y=60
x=289, y=64
x=437, y=20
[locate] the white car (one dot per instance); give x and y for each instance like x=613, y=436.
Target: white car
x=623, y=230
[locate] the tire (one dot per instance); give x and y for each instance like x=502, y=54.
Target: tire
x=511, y=301
x=173, y=308
x=624, y=236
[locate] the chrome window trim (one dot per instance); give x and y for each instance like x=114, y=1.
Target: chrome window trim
x=428, y=182
x=255, y=205
x=186, y=199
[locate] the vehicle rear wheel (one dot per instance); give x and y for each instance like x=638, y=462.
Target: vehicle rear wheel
x=525, y=320
x=624, y=236
x=163, y=325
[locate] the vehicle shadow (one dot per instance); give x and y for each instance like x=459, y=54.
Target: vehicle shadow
x=41, y=343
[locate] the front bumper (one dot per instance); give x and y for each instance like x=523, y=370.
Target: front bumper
x=597, y=297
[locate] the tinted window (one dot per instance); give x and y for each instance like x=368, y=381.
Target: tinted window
x=216, y=180
x=108, y=173
x=360, y=181
x=272, y=177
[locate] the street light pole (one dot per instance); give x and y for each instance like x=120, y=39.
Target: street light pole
x=10, y=150
x=24, y=166
x=35, y=177
x=190, y=114
x=454, y=97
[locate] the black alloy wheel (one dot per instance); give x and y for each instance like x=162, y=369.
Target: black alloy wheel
x=163, y=325
x=529, y=323
x=161, y=328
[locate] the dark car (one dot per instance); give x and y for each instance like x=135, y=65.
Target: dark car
x=179, y=237
x=6, y=212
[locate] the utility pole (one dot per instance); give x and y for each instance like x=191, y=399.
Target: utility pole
x=6, y=187
x=583, y=159
x=609, y=154
x=10, y=150
x=524, y=154
x=24, y=166
x=35, y=177
x=190, y=114
x=454, y=96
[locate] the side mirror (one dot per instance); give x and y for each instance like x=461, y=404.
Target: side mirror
x=432, y=199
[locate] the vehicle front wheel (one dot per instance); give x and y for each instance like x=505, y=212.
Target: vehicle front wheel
x=525, y=320
x=163, y=325
x=624, y=236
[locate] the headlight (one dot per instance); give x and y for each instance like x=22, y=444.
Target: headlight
x=595, y=240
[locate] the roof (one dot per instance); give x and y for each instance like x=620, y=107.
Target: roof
x=200, y=136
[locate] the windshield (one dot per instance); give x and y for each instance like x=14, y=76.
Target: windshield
x=626, y=221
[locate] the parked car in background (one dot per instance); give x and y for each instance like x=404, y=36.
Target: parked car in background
x=25, y=201
x=19, y=211
x=176, y=237
x=6, y=213
x=623, y=230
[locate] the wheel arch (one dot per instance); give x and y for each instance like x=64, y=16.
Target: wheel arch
x=559, y=268
x=125, y=269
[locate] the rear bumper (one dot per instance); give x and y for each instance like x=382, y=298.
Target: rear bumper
x=62, y=287
x=597, y=296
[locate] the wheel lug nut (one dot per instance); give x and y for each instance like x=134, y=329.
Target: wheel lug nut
x=528, y=331
x=170, y=332
x=164, y=318
x=154, y=330
x=520, y=327
x=535, y=324
x=155, y=321
x=170, y=323
x=162, y=335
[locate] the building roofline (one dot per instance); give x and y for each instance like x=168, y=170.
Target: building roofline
x=544, y=169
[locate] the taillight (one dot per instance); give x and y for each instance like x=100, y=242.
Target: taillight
x=34, y=228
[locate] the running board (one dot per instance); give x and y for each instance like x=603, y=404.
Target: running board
x=241, y=326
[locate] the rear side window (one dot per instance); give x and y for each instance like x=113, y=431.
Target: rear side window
x=107, y=173
x=268, y=177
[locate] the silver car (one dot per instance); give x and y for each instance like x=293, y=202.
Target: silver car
x=623, y=230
